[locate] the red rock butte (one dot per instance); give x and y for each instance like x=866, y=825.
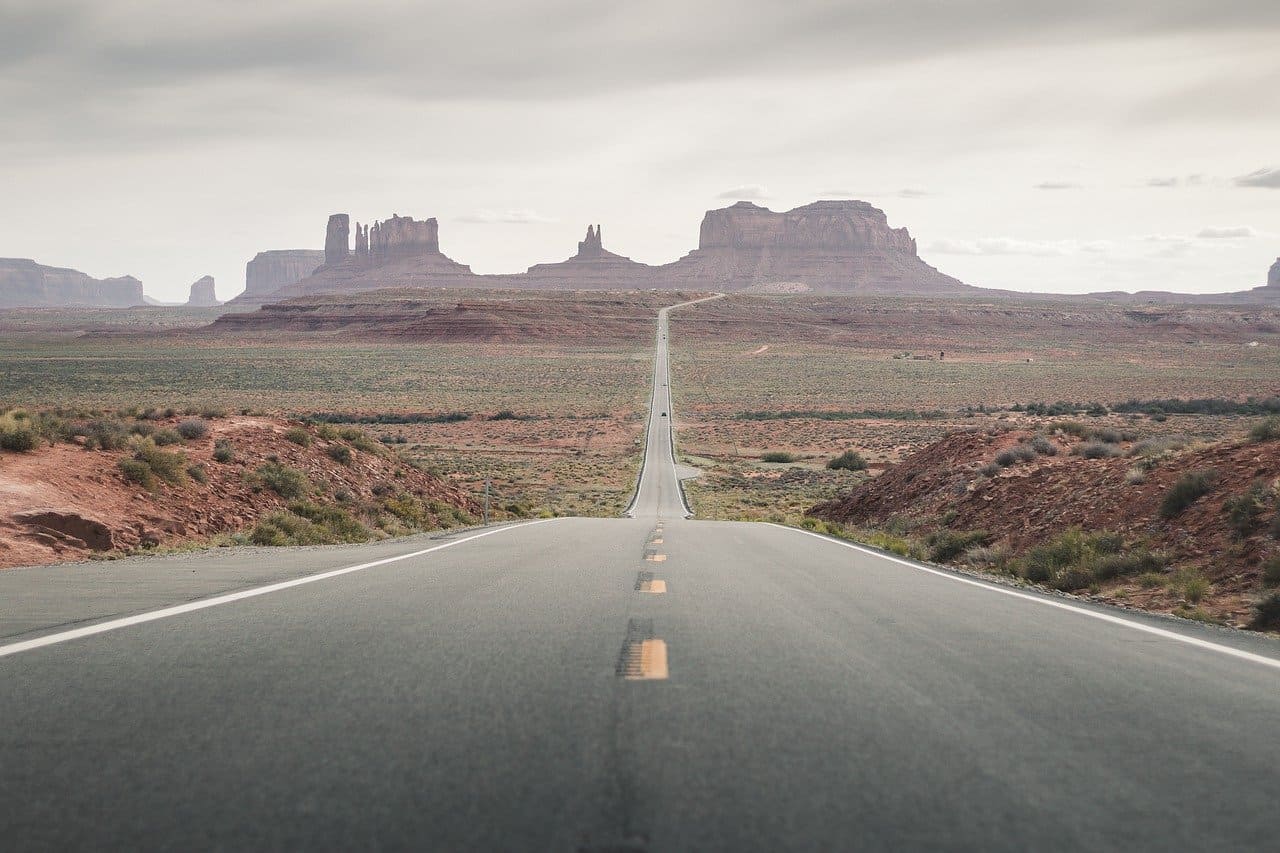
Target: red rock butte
x=836, y=246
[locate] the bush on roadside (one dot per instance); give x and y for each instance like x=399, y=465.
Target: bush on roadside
x=288, y=483
x=1244, y=511
x=298, y=436
x=223, y=451
x=1042, y=445
x=947, y=545
x=1266, y=613
x=1074, y=560
x=104, y=435
x=850, y=460
x=1268, y=430
x=1097, y=450
x=193, y=429
x=339, y=453
x=19, y=433
x=1271, y=571
x=777, y=456
x=1188, y=489
x=135, y=471
x=165, y=437
x=166, y=465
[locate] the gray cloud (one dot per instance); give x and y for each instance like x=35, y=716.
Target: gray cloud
x=747, y=192
x=1265, y=178
x=506, y=217
x=1226, y=233
x=1057, y=185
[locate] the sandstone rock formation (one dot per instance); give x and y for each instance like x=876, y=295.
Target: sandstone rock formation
x=202, y=293
x=272, y=270
x=1273, y=277
x=25, y=283
x=402, y=237
x=841, y=246
x=337, y=239
x=593, y=268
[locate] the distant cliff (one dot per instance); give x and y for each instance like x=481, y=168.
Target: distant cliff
x=837, y=246
x=270, y=271
x=203, y=294
x=25, y=283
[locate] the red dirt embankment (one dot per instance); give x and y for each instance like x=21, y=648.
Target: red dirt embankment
x=63, y=502
x=1028, y=503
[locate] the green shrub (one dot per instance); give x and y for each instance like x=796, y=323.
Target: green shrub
x=286, y=482
x=989, y=470
x=198, y=473
x=1268, y=430
x=326, y=432
x=165, y=437
x=1075, y=560
x=136, y=471
x=1192, y=585
x=1271, y=571
x=298, y=436
x=777, y=456
x=850, y=460
x=1042, y=445
x=18, y=432
x=1188, y=489
x=1266, y=613
x=166, y=465
x=1074, y=428
x=505, y=415
x=1244, y=511
x=1097, y=450
x=339, y=453
x=350, y=433
x=104, y=435
x=947, y=545
x=193, y=429
x=340, y=524
x=223, y=451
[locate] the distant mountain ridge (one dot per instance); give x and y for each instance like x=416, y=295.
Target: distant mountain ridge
x=27, y=284
x=838, y=246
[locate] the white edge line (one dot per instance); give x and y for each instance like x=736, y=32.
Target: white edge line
x=1048, y=602
x=204, y=603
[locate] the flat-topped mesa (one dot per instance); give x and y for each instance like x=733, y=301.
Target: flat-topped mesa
x=269, y=271
x=826, y=225
x=402, y=237
x=843, y=246
x=203, y=294
x=25, y=283
x=337, y=239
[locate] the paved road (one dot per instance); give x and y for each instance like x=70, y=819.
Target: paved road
x=518, y=691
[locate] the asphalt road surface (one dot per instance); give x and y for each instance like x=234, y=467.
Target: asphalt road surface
x=647, y=683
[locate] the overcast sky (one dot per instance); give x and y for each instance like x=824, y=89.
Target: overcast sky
x=1028, y=144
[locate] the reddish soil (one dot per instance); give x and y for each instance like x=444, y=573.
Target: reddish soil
x=453, y=315
x=63, y=502
x=1029, y=503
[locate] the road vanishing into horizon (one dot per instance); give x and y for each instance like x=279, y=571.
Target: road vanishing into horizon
x=643, y=683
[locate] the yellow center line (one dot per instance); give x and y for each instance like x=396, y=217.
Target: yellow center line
x=652, y=664
x=655, y=587
x=656, y=558
x=657, y=541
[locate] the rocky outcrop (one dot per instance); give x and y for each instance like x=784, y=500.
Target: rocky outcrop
x=202, y=293
x=337, y=239
x=402, y=237
x=593, y=268
x=270, y=271
x=1273, y=277
x=842, y=246
x=27, y=284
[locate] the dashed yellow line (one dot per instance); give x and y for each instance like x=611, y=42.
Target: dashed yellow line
x=654, y=587
x=650, y=663
x=656, y=558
